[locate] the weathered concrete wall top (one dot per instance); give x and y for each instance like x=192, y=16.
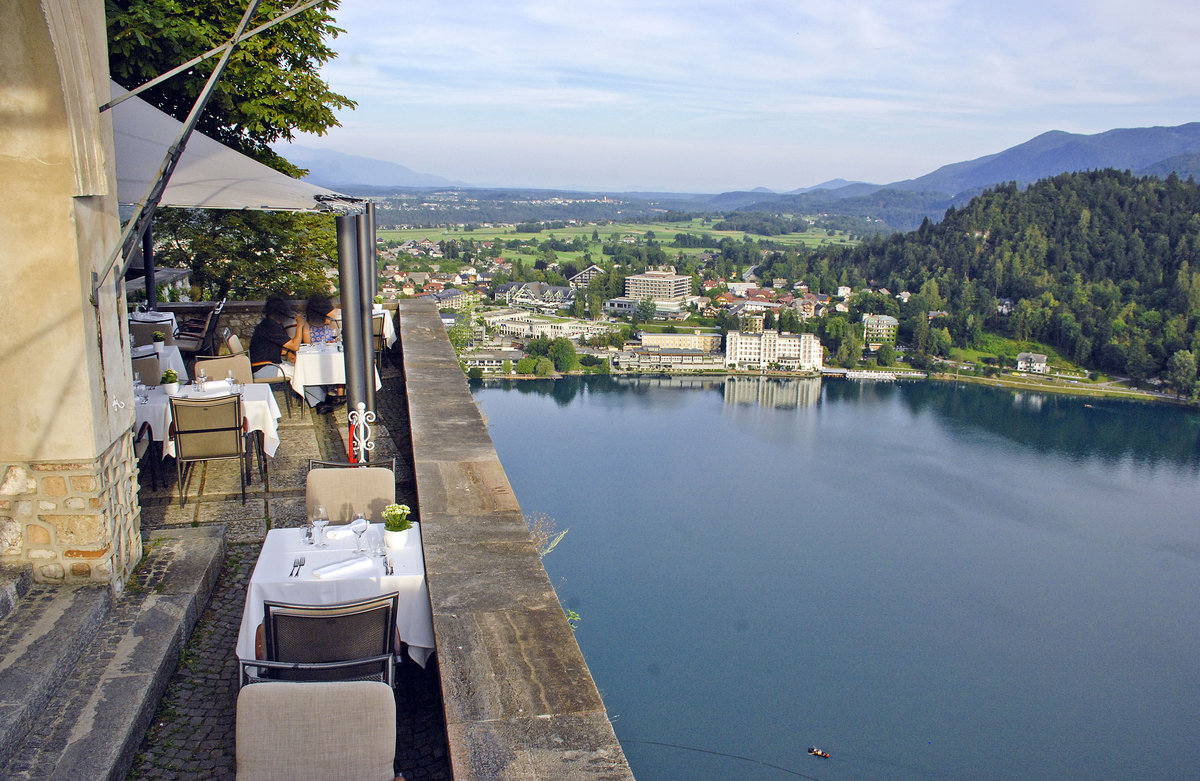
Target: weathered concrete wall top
x=520, y=701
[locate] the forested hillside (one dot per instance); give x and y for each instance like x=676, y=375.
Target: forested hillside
x=1103, y=265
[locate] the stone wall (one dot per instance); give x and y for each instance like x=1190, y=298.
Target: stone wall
x=241, y=317
x=73, y=521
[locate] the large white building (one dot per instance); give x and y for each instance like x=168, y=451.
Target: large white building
x=797, y=352
x=659, y=285
x=709, y=342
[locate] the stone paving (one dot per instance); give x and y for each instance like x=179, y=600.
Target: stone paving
x=192, y=734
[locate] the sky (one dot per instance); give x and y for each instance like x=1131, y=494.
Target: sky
x=704, y=96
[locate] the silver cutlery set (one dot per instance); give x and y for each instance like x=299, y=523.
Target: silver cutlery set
x=297, y=565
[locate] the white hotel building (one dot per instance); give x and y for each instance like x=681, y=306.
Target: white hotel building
x=797, y=352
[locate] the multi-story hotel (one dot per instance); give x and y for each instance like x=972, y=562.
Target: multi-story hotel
x=879, y=329
x=757, y=351
x=697, y=340
x=659, y=285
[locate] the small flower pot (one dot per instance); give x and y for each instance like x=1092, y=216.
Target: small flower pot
x=171, y=388
x=395, y=539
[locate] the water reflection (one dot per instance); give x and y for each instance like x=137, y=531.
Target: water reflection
x=1071, y=426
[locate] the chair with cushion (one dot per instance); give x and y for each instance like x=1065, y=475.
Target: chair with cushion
x=340, y=642
x=196, y=335
x=143, y=332
x=207, y=430
x=148, y=369
x=366, y=489
x=219, y=368
x=310, y=731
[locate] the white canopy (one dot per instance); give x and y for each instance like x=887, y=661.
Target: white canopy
x=209, y=175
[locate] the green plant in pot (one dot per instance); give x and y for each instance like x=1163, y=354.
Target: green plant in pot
x=396, y=525
x=158, y=336
x=170, y=381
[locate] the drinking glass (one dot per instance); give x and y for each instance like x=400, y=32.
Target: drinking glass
x=379, y=550
x=320, y=521
x=359, y=525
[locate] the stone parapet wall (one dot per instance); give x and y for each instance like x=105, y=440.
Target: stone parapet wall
x=73, y=521
x=241, y=317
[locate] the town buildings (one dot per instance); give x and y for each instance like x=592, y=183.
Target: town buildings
x=658, y=285
x=879, y=330
x=796, y=352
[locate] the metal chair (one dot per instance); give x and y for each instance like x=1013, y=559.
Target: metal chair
x=342, y=642
x=195, y=336
x=143, y=444
x=366, y=488
x=378, y=341
x=344, y=729
x=219, y=368
x=143, y=331
x=148, y=369
x=207, y=430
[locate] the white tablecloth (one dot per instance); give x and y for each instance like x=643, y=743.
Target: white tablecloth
x=322, y=364
x=414, y=618
x=155, y=317
x=389, y=327
x=258, y=407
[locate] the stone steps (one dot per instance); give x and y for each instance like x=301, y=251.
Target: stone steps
x=82, y=672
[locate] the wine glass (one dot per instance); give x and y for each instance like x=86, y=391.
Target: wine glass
x=320, y=520
x=359, y=525
x=379, y=550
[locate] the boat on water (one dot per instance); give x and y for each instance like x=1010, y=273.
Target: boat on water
x=816, y=752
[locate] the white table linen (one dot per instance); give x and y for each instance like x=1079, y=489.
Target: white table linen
x=156, y=317
x=414, y=618
x=321, y=364
x=169, y=357
x=389, y=327
x=258, y=407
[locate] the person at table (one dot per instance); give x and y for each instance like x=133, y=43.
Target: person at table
x=319, y=328
x=272, y=348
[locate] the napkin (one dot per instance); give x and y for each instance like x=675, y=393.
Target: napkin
x=359, y=565
x=338, y=533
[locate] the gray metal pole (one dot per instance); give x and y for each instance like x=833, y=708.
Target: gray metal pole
x=351, y=287
x=366, y=260
x=370, y=212
x=148, y=268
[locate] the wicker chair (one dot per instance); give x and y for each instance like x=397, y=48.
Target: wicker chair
x=143, y=331
x=303, y=732
x=148, y=369
x=341, y=642
x=219, y=368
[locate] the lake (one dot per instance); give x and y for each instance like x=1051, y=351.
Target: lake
x=927, y=580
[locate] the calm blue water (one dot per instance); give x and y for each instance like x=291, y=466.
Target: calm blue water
x=928, y=581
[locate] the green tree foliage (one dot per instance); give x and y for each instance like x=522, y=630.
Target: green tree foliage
x=645, y=310
x=527, y=365
x=1181, y=372
x=544, y=367
x=270, y=91
x=562, y=353
x=1098, y=264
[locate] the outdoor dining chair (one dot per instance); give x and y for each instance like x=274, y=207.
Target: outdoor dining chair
x=195, y=335
x=218, y=368
x=366, y=489
x=143, y=331
x=148, y=369
x=208, y=430
x=378, y=341
x=340, y=642
x=293, y=731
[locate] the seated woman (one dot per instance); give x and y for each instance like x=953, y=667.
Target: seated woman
x=319, y=328
x=272, y=349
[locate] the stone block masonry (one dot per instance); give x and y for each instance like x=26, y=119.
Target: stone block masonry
x=73, y=521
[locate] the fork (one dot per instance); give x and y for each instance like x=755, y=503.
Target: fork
x=300, y=567
x=295, y=568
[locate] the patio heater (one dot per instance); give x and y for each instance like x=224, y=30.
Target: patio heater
x=356, y=341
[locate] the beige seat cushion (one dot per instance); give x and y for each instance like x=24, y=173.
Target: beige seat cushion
x=316, y=731
x=365, y=489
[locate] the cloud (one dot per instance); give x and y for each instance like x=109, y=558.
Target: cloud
x=943, y=77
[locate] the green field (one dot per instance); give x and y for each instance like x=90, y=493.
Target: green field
x=664, y=233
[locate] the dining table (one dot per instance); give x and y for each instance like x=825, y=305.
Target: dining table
x=166, y=318
x=337, y=573
x=258, y=408
x=322, y=364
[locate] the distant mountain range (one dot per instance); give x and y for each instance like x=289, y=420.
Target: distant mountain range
x=336, y=170
x=1156, y=151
